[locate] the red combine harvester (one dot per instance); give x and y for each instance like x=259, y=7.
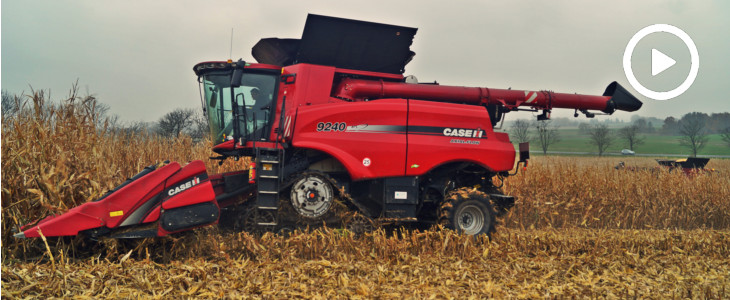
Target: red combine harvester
x=338, y=135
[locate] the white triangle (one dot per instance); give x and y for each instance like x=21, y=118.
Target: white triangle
x=660, y=62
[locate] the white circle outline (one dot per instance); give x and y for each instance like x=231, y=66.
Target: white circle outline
x=694, y=55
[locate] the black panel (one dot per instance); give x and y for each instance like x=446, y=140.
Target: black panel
x=368, y=195
x=406, y=212
x=401, y=197
x=688, y=163
x=235, y=182
x=142, y=232
x=358, y=45
x=502, y=203
x=274, y=51
x=621, y=99
x=342, y=43
x=401, y=190
x=189, y=216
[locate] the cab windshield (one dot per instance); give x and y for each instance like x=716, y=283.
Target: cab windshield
x=253, y=98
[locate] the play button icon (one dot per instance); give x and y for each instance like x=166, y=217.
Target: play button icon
x=660, y=62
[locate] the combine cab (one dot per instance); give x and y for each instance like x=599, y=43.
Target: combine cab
x=337, y=135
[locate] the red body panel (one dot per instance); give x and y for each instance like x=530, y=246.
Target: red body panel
x=224, y=146
x=108, y=212
x=196, y=167
x=154, y=215
x=133, y=204
x=373, y=143
x=199, y=193
x=83, y=217
x=380, y=135
x=426, y=151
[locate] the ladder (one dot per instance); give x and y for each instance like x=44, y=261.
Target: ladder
x=269, y=169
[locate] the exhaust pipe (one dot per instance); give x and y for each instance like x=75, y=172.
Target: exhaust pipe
x=621, y=99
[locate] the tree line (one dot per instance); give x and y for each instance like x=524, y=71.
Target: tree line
x=692, y=129
x=187, y=121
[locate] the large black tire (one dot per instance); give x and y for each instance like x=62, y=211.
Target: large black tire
x=468, y=211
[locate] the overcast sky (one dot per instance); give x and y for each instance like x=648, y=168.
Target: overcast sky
x=137, y=56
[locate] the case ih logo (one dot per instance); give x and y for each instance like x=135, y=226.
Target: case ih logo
x=461, y=132
x=182, y=187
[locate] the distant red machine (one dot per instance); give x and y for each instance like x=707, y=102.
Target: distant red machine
x=332, y=124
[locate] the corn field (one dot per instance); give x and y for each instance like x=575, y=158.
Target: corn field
x=580, y=228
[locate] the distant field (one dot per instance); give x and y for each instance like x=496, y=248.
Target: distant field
x=574, y=141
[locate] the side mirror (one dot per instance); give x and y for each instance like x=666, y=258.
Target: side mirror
x=237, y=73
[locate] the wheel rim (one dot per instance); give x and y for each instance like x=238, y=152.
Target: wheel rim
x=311, y=196
x=470, y=219
x=359, y=225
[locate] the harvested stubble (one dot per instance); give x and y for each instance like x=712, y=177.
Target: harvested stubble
x=328, y=264
x=573, y=230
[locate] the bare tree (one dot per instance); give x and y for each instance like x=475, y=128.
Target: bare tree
x=693, y=134
x=725, y=135
x=175, y=122
x=631, y=135
x=547, y=134
x=583, y=128
x=521, y=131
x=670, y=126
x=601, y=137
x=199, y=129
x=133, y=128
x=10, y=103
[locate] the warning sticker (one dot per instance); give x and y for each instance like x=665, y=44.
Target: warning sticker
x=530, y=96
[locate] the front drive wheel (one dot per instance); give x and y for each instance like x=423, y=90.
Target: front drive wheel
x=468, y=211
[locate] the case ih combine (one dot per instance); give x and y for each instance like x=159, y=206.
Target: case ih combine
x=337, y=135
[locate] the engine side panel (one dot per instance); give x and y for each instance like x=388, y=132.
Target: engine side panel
x=440, y=132
x=368, y=138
